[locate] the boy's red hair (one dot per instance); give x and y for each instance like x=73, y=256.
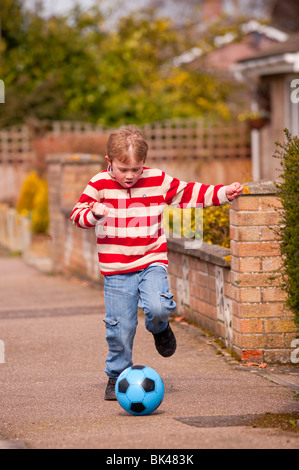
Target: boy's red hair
x=127, y=143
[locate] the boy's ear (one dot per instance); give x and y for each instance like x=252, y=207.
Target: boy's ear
x=108, y=160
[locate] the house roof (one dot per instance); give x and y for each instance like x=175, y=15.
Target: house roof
x=279, y=58
x=290, y=45
x=271, y=34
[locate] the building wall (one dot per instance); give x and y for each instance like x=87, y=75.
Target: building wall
x=273, y=131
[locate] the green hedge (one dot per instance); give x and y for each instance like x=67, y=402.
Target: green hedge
x=288, y=192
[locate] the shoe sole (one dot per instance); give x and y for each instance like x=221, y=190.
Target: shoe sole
x=110, y=398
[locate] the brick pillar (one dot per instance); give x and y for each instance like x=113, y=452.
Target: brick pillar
x=263, y=328
x=67, y=175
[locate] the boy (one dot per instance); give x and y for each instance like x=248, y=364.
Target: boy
x=125, y=203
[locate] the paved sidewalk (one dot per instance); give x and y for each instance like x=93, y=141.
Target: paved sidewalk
x=53, y=380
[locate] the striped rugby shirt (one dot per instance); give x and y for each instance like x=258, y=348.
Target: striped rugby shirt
x=131, y=236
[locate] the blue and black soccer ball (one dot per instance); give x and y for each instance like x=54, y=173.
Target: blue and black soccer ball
x=139, y=390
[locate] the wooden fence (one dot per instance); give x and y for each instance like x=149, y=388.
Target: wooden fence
x=197, y=139
x=16, y=141
x=189, y=149
x=15, y=145
x=171, y=139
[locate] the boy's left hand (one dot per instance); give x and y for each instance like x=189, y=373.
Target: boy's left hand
x=233, y=191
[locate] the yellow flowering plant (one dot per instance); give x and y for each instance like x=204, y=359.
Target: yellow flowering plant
x=214, y=225
x=33, y=202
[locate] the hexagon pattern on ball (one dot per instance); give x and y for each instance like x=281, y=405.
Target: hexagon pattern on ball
x=139, y=390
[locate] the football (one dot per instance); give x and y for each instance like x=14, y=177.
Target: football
x=139, y=390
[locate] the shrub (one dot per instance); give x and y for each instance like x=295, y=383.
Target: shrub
x=28, y=192
x=40, y=211
x=33, y=202
x=288, y=192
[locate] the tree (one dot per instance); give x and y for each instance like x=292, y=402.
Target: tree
x=12, y=33
x=140, y=80
x=75, y=68
x=49, y=67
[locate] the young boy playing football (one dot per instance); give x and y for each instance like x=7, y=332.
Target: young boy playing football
x=125, y=203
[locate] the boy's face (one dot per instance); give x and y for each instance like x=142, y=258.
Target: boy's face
x=126, y=174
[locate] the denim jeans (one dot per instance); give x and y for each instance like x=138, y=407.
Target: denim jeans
x=124, y=293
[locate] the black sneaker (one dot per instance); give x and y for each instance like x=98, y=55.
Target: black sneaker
x=110, y=389
x=165, y=342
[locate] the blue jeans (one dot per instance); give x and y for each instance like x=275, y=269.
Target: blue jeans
x=124, y=293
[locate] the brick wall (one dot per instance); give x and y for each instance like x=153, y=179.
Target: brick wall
x=241, y=301
x=263, y=327
x=199, y=280
x=234, y=293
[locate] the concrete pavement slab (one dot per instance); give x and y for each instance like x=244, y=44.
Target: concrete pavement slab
x=53, y=380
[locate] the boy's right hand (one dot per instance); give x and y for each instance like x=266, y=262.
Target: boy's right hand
x=98, y=209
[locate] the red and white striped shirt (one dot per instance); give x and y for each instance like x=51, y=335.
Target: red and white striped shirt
x=131, y=236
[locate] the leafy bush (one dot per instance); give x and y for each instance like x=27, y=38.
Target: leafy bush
x=33, y=202
x=288, y=192
x=28, y=192
x=40, y=211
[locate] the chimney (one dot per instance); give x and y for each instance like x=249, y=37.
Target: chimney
x=211, y=9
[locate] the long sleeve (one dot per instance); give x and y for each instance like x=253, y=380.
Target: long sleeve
x=186, y=195
x=81, y=215
x=131, y=236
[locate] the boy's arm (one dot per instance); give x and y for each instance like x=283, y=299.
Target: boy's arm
x=88, y=211
x=186, y=195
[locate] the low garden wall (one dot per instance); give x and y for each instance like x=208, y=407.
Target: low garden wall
x=15, y=234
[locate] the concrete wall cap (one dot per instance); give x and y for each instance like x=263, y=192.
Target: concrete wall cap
x=261, y=187
x=74, y=158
